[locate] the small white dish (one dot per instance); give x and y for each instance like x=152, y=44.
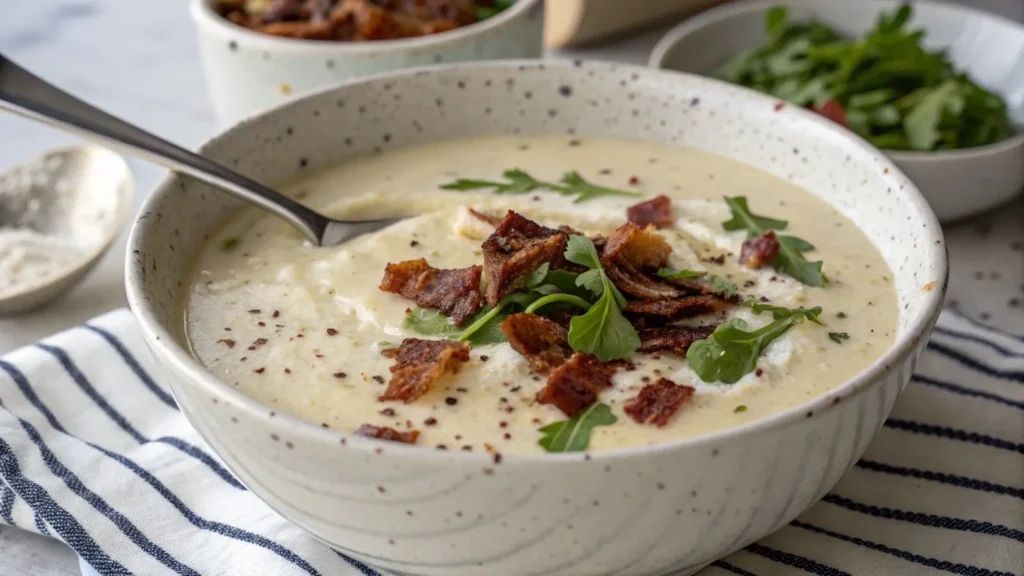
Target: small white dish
x=248, y=72
x=59, y=213
x=957, y=183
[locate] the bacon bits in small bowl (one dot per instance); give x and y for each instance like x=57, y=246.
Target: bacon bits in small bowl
x=627, y=321
x=260, y=53
x=917, y=80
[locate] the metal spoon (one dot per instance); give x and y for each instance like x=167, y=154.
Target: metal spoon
x=30, y=96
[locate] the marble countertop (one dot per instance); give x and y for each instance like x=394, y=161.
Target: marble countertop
x=139, y=60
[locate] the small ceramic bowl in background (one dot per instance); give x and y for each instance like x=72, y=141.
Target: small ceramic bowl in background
x=248, y=71
x=73, y=203
x=989, y=48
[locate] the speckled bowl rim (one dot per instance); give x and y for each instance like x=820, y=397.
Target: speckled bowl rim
x=731, y=10
x=184, y=363
x=203, y=15
x=110, y=234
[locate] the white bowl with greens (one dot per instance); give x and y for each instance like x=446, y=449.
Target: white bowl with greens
x=939, y=88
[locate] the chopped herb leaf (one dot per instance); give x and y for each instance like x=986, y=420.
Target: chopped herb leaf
x=574, y=184
x=838, y=337
x=483, y=329
x=519, y=182
x=779, y=312
x=429, y=323
x=536, y=278
x=679, y=274
x=740, y=408
x=790, y=259
x=565, y=282
x=573, y=435
x=719, y=284
x=602, y=330
x=230, y=244
x=732, y=350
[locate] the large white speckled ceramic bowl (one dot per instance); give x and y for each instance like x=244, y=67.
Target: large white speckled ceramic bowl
x=248, y=72
x=957, y=183
x=670, y=508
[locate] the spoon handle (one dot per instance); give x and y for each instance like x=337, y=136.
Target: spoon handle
x=28, y=95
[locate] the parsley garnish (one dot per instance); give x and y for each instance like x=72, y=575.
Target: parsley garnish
x=679, y=274
x=732, y=350
x=573, y=435
x=790, y=259
x=519, y=182
x=838, y=337
x=602, y=331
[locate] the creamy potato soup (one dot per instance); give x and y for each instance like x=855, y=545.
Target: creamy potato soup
x=701, y=315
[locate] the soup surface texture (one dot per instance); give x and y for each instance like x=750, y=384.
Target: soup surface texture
x=302, y=328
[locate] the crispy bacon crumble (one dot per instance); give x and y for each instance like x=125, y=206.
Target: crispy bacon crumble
x=419, y=364
x=759, y=251
x=576, y=383
x=543, y=343
x=385, y=433
x=456, y=293
x=658, y=402
x=674, y=339
x=518, y=247
x=655, y=212
x=678, y=308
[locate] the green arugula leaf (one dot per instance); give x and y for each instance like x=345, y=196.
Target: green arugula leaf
x=536, y=278
x=573, y=435
x=838, y=337
x=790, y=259
x=593, y=281
x=574, y=184
x=780, y=312
x=732, y=350
x=565, y=282
x=744, y=219
x=580, y=250
x=482, y=328
x=679, y=274
x=922, y=123
x=429, y=323
x=519, y=182
x=721, y=285
x=602, y=330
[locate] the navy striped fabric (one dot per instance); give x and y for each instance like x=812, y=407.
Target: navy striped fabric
x=95, y=453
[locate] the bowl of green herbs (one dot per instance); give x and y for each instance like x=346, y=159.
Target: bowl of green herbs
x=938, y=88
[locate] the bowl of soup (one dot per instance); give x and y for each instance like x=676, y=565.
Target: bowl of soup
x=633, y=320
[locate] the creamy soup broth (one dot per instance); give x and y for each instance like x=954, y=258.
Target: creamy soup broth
x=307, y=324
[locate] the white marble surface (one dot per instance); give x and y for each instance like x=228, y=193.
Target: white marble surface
x=138, y=59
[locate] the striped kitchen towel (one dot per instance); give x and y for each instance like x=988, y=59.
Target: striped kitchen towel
x=94, y=452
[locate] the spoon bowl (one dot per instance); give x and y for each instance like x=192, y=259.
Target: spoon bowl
x=70, y=203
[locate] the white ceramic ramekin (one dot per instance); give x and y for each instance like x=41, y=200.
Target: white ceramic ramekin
x=248, y=72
